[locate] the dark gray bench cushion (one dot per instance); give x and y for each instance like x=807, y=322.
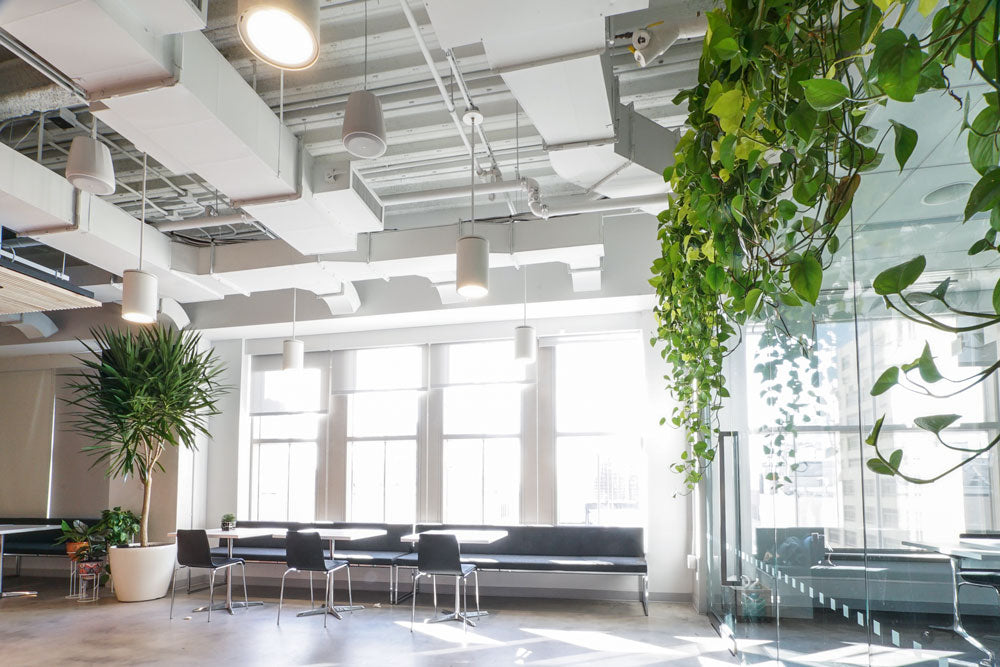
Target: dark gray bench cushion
x=536, y=563
x=39, y=543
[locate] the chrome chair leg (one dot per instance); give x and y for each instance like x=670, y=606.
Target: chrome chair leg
x=211, y=594
x=246, y=598
x=281, y=595
x=350, y=595
x=465, y=601
x=327, y=599
x=434, y=587
x=312, y=603
x=476, y=572
x=413, y=602
x=173, y=591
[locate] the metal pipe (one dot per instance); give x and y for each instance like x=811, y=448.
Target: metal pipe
x=545, y=211
x=463, y=88
x=203, y=222
x=415, y=27
x=59, y=229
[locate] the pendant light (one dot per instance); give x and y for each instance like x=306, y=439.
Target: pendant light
x=525, y=339
x=472, y=274
x=139, y=298
x=293, y=350
x=89, y=166
x=282, y=33
x=363, y=132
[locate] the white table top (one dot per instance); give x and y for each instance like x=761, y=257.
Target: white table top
x=12, y=528
x=980, y=550
x=348, y=534
x=234, y=534
x=467, y=536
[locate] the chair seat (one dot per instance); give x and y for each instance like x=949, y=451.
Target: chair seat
x=328, y=566
x=615, y=564
x=467, y=568
x=982, y=577
x=266, y=554
x=368, y=557
x=225, y=562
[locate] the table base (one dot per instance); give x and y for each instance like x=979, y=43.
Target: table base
x=19, y=594
x=236, y=605
x=460, y=617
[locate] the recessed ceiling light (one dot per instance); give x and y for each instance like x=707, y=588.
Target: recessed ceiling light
x=946, y=194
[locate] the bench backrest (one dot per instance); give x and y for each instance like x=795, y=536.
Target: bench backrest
x=557, y=540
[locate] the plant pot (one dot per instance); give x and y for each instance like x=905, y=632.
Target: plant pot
x=228, y=525
x=73, y=547
x=142, y=573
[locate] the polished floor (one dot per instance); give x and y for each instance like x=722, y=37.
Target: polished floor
x=51, y=630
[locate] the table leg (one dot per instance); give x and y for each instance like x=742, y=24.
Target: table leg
x=956, y=626
x=11, y=594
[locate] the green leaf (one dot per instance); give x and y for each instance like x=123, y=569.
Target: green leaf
x=996, y=298
x=925, y=7
x=986, y=193
x=941, y=289
x=787, y=209
x=897, y=278
x=897, y=62
x=906, y=141
x=983, y=142
x=928, y=369
x=886, y=381
x=880, y=468
x=895, y=459
x=789, y=299
x=802, y=121
x=866, y=134
x=872, y=438
x=936, y=423
x=725, y=48
x=729, y=109
x=753, y=300
x=824, y=94
x=727, y=152
x=806, y=277
x=715, y=276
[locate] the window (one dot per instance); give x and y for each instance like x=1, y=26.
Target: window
x=599, y=459
x=482, y=429
x=383, y=416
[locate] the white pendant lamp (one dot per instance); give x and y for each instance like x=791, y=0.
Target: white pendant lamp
x=293, y=351
x=282, y=33
x=472, y=272
x=525, y=339
x=364, y=126
x=139, y=288
x=89, y=167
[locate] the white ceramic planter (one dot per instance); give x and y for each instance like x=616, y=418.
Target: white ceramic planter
x=142, y=573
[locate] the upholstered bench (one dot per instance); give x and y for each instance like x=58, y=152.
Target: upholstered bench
x=39, y=543
x=555, y=549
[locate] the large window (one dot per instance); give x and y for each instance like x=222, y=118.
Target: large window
x=382, y=422
x=598, y=390
x=482, y=429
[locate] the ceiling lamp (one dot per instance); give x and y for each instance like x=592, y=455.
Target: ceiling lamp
x=364, y=127
x=89, y=165
x=293, y=351
x=525, y=339
x=282, y=33
x=139, y=298
x=472, y=274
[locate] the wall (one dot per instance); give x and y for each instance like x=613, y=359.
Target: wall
x=26, y=442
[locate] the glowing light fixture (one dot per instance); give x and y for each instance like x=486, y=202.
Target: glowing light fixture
x=293, y=350
x=364, y=126
x=282, y=33
x=472, y=273
x=139, y=288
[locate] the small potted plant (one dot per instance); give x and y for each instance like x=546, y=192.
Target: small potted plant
x=228, y=521
x=78, y=538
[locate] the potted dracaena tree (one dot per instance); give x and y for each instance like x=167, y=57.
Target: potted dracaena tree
x=138, y=394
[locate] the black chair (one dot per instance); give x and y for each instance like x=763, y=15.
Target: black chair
x=304, y=553
x=440, y=555
x=193, y=550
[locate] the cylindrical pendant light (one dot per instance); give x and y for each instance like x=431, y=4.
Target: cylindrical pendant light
x=472, y=272
x=139, y=288
x=89, y=166
x=282, y=33
x=293, y=351
x=525, y=339
x=363, y=131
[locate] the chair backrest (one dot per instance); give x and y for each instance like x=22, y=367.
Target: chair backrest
x=193, y=549
x=439, y=554
x=304, y=551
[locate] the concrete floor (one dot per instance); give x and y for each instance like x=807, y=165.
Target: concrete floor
x=50, y=629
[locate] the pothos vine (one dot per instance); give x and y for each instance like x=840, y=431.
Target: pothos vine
x=775, y=150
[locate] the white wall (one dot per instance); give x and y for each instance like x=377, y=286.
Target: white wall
x=28, y=399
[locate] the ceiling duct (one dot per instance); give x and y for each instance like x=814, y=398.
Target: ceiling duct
x=32, y=325
x=563, y=81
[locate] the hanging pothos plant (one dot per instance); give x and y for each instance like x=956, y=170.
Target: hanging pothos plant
x=766, y=174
